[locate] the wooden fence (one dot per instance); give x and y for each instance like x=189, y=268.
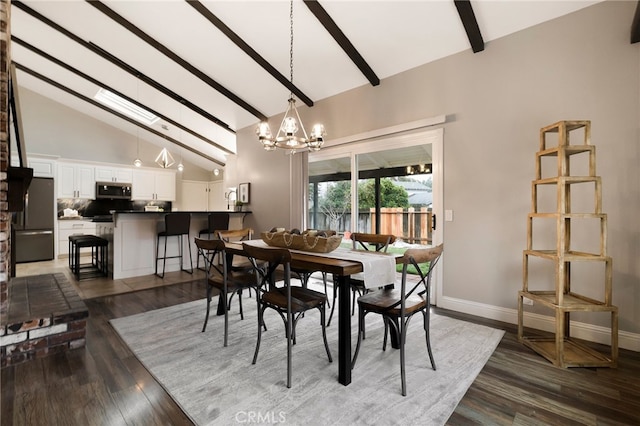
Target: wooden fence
x=410, y=225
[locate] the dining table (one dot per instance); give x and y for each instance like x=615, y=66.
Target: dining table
x=342, y=266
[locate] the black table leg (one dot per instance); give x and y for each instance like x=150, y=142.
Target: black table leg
x=344, y=331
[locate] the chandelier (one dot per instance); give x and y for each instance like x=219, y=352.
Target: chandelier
x=291, y=134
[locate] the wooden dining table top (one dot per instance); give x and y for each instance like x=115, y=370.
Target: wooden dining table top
x=310, y=261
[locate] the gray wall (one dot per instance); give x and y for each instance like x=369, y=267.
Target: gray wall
x=578, y=67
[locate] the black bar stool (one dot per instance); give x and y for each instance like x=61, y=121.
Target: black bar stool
x=175, y=225
x=216, y=221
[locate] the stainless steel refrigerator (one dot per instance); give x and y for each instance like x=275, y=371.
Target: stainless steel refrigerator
x=34, y=226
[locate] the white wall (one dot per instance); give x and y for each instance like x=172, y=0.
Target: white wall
x=580, y=66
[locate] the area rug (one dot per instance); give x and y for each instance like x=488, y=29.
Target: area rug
x=217, y=385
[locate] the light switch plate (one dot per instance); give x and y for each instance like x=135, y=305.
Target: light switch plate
x=448, y=215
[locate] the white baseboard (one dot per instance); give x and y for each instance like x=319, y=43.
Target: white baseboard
x=589, y=332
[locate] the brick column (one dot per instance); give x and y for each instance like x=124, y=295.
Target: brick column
x=5, y=217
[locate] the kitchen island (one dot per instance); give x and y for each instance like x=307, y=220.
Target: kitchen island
x=132, y=240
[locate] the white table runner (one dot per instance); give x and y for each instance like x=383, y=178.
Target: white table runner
x=378, y=269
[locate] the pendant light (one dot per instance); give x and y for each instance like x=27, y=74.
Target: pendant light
x=288, y=136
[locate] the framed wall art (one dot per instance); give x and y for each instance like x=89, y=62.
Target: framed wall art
x=243, y=193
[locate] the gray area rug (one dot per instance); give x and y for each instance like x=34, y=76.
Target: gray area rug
x=215, y=385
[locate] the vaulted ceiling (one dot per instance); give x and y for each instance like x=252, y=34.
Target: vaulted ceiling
x=208, y=68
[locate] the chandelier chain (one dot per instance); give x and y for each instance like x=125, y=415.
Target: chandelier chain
x=291, y=44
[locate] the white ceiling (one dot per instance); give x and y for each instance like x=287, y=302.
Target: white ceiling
x=392, y=36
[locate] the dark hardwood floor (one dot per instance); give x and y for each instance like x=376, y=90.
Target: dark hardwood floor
x=104, y=384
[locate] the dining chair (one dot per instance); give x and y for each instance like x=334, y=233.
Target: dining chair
x=368, y=242
x=216, y=221
x=220, y=277
x=398, y=306
x=289, y=301
x=238, y=263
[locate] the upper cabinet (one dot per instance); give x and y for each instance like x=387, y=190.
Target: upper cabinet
x=154, y=185
x=76, y=181
x=114, y=174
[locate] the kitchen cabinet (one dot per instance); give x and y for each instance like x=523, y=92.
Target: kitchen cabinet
x=154, y=185
x=68, y=227
x=76, y=181
x=41, y=167
x=114, y=174
x=202, y=196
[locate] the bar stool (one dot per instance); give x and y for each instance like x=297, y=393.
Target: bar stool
x=216, y=221
x=175, y=225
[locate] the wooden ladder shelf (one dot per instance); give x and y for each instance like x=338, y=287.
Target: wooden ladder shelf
x=562, y=350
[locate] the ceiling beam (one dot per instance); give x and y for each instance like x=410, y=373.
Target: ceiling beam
x=635, y=27
x=177, y=59
x=238, y=41
x=121, y=64
x=87, y=77
x=468, y=18
x=332, y=28
x=116, y=113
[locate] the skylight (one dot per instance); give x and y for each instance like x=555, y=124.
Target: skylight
x=124, y=106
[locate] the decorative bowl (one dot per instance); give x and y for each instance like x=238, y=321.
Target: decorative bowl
x=302, y=242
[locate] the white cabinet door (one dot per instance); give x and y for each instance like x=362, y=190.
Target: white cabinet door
x=165, y=186
x=194, y=196
x=114, y=174
x=153, y=185
x=216, y=197
x=85, y=182
x=124, y=175
x=144, y=185
x=42, y=168
x=66, y=180
x=76, y=181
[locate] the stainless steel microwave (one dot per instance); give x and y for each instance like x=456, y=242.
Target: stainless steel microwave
x=113, y=191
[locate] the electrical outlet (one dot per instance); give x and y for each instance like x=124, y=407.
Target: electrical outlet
x=527, y=301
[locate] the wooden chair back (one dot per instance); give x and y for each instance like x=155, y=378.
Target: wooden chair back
x=380, y=242
x=415, y=257
x=235, y=234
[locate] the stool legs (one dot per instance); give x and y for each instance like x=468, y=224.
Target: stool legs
x=180, y=254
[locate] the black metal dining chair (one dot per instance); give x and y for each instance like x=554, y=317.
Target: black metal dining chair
x=223, y=279
x=216, y=221
x=290, y=302
x=368, y=242
x=397, y=306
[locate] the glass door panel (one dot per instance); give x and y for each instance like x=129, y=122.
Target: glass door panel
x=394, y=193
x=330, y=195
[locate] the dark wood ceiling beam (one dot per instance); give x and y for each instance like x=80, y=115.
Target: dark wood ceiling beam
x=116, y=113
x=98, y=83
x=238, y=41
x=635, y=27
x=332, y=28
x=468, y=18
x=177, y=59
x=121, y=64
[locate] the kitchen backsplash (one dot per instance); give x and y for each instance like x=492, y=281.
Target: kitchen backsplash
x=90, y=208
